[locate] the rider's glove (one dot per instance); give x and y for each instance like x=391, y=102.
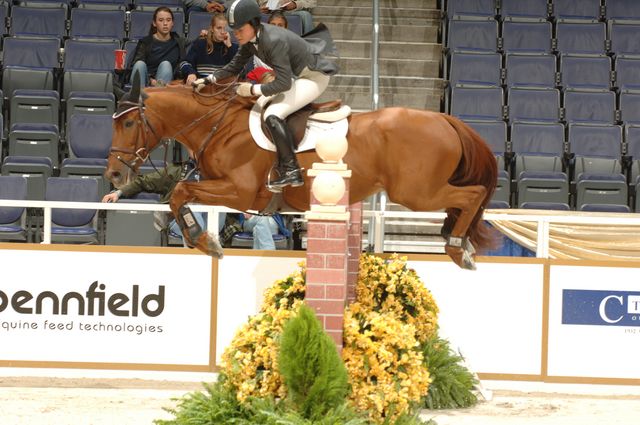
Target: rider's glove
x=245, y=90
x=201, y=82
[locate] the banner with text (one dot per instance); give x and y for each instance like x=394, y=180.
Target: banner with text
x=97, y=307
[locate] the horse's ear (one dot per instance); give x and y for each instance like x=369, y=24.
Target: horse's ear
x=118, y=92
x=134, y=95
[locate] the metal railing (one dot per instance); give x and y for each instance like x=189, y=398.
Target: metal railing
x=375, y=216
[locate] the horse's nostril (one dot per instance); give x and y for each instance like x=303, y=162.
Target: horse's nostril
x=115, y=174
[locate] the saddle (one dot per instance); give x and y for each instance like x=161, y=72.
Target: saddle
x=330, y=111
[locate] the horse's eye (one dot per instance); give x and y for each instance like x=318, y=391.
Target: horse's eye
x=128, y=123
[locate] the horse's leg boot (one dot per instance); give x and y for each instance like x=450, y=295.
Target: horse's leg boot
x=289, y=170
x=189, y=225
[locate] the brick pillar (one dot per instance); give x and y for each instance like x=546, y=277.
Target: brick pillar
x=328, y=254
x=354, y=246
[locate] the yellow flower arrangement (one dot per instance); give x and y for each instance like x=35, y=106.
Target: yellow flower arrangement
x=383, y=330
x=251, y=361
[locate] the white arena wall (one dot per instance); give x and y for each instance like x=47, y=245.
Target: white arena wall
x=173, y=309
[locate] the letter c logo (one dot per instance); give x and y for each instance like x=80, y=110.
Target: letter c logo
x=602, y=311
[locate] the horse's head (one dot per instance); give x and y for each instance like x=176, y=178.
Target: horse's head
x=133, y=136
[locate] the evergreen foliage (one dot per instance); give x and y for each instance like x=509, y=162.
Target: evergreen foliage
x=452, y=383
x=311, y=366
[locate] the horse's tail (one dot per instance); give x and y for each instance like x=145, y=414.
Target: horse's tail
x=477, y=167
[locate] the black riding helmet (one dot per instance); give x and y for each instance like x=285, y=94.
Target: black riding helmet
x=242, y=11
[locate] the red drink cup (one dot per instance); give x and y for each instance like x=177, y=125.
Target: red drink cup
x=120, y=59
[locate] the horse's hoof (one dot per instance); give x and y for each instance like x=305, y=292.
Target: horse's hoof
x=209, y=244
x=462, y=257
x=468, y=262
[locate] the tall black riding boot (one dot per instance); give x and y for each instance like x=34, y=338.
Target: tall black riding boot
x=288, y=168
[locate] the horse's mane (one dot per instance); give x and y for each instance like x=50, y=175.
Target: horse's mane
x=210, y=95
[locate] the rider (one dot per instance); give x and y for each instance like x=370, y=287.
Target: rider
x=302, y=75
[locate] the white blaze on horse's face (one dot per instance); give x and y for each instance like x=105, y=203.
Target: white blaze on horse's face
x=245, y=33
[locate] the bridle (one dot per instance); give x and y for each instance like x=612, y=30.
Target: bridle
x=141, y=153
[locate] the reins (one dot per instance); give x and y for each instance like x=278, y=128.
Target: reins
x=143, y=153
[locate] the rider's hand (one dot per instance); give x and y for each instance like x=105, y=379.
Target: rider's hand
x=244, y=90
x=201, y=82
x=111, y=197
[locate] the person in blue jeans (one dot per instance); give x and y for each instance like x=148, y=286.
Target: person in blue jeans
x=261, y=227
x=157, y=55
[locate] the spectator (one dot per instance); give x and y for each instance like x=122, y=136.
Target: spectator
x=157, y=55
x=211, y=6
x=278, y=19
x=299, y=7
x=163, y=183
x=211, y=52
x=262, y=228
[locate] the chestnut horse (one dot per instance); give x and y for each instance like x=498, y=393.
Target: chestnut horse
x=426, y=161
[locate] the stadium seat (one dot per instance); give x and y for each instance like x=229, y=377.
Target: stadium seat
x=526, y=36
x=197, y=22
x=38, y=21
x=538, y=150
x=13, y=220
x=531, y=104
x=524, y=9
x=627, y=72
x=88, y=77
x=73, y=225
x=103, y=4
x=29, y=63
x=572, y=9
x=495, y=134
x=477, y=103
x=598, y=107
x=91, y=24
x=530, y=70
x=622, y=9
x=586, y=72
x=89, y=139
x=605, y=208
x=120, y=222
x=632, y=142
x=598, y=173
x=581, y=36
x=174, y=5
x=35, y=169
x=479, y=34
x=475, y=68
x=624, y=37
x=140, y=22
x=471, y=7
x=630, y=106
x=35, y=140
x=34, y=106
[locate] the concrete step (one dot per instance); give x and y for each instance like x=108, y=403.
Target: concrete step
x=367, y=12
x=390, y=67
x=411, y=33
x=391, y=50
x=389, y=82
x=400, y=4
x=359, y=97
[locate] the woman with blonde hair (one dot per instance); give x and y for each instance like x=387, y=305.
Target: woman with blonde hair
x=211, y=52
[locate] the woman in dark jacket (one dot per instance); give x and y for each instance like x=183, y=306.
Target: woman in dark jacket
x=158, y=54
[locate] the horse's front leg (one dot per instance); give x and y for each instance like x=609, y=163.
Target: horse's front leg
x=210, y=192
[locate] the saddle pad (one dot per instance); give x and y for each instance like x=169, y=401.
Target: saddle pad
x=315, y=131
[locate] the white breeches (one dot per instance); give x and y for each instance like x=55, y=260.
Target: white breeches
x=304, y=90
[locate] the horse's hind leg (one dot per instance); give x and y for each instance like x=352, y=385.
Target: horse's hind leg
x=468, y=200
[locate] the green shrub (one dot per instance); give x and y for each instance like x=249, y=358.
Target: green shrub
x=452, y=383
x=311, y=366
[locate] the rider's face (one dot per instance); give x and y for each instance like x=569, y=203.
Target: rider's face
x=245, y=33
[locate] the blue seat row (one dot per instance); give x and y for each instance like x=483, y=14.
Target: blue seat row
x=583, y=9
